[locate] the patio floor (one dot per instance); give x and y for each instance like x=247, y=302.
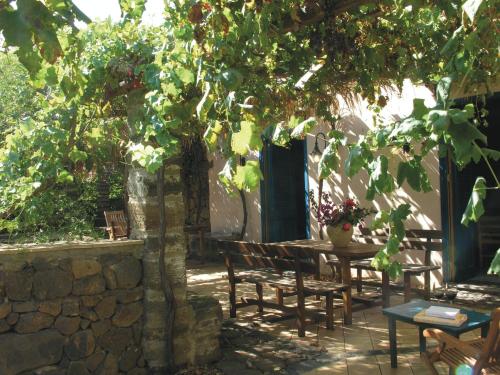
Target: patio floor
x=250, y=345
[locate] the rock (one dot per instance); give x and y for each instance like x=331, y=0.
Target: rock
x=89, y=285
x=138, y=371
x=77, y=368
x=5, y=309
x=141, y=362
x=18, y=285
x=129, y=358
x=80, y=345
x=101, y=327
x=126, y=315
x=90, y=301
x=110, y=366
x=22, y=307
x=110, y=278
x=28, y=352
x=95, y=360
x=137, y=332
x=49, y=370
x=128, y=272
x=128, y=296
x=33, y=322
x=84, y=324
x=116, y=340
x=88, y=314
x=71, y=307
x=51, y=284
x=67, y=325
x=4, y=326
x=50, y=307
x=106, y=308
x=85, y=267
x=12, y=318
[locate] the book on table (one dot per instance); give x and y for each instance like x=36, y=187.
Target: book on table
x=441, y=315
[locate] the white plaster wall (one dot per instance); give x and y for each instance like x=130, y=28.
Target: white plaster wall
x=226, y=212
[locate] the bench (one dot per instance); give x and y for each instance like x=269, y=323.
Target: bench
x=283, y=270
x=488, y=230
x=415, y=239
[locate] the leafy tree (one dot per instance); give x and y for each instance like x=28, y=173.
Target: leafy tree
x=237, y=70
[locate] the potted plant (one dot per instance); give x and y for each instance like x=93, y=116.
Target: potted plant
x=339, y=219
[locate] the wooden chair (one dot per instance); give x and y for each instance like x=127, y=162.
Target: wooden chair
x=116, y=224
x=482, y=355
x=488, y=239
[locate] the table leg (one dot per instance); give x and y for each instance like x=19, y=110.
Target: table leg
x=422, y=341
x=345, y=265
x=484, y=330
x=318, y=272
x=393, y=346
x=386, y=290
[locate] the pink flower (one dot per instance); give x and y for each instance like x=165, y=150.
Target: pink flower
x=346, y=227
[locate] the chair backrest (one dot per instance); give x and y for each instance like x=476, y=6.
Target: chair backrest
x=489, y=231
x=491, y=348
x=415, y=239
x=261, y=255
x=116, y=223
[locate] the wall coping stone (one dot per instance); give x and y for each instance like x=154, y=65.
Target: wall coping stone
x=72, y=247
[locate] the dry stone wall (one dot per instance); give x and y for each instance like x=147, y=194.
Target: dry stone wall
x=72, y=309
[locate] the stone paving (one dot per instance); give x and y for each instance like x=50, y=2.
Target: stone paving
x=251, y=345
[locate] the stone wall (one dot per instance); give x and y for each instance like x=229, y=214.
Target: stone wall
x=72, y=309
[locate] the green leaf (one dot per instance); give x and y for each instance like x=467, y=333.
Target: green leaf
x=132, y=9
x=76, y=155
x=280, y=136
x=438, y=120
x=329, y=161
x=248, y=138
x=471, y=7
x=415, y=174
x=64, y=177
x=185, y=75
x=462, y=137
x=380, y=180
x=355, y=160
x=303, y=128
x=211, y=134
x=495, y=265
x=419, y=108
x=248, y=177
x=475, y=207
x=226, y=175
x=491, y=154
x=231, y=79
x=443, y=91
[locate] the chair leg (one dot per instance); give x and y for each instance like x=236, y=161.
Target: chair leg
x=407, y=286
x=279, y=296
x=232, y=300
x=427, y=285
x=260, y=296
x=428, y=362
x=329, y=311
x=338, y=273
x=359, y=283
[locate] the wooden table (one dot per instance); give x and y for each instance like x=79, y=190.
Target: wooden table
x=407, y=311
x=345, y=254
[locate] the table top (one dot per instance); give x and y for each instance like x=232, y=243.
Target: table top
x=355, y=250
x=407, y=311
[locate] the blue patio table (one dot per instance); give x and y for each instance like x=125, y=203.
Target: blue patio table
x=407, y=311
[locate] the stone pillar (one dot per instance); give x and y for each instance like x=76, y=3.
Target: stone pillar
x=191, y=343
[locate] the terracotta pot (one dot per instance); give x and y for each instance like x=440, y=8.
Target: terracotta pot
x=338, y=236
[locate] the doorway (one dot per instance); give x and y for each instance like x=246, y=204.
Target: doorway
x=461, y=260
x=284, y=192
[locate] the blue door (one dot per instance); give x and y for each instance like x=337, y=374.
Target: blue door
x=461, y=257
x=284, y=197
